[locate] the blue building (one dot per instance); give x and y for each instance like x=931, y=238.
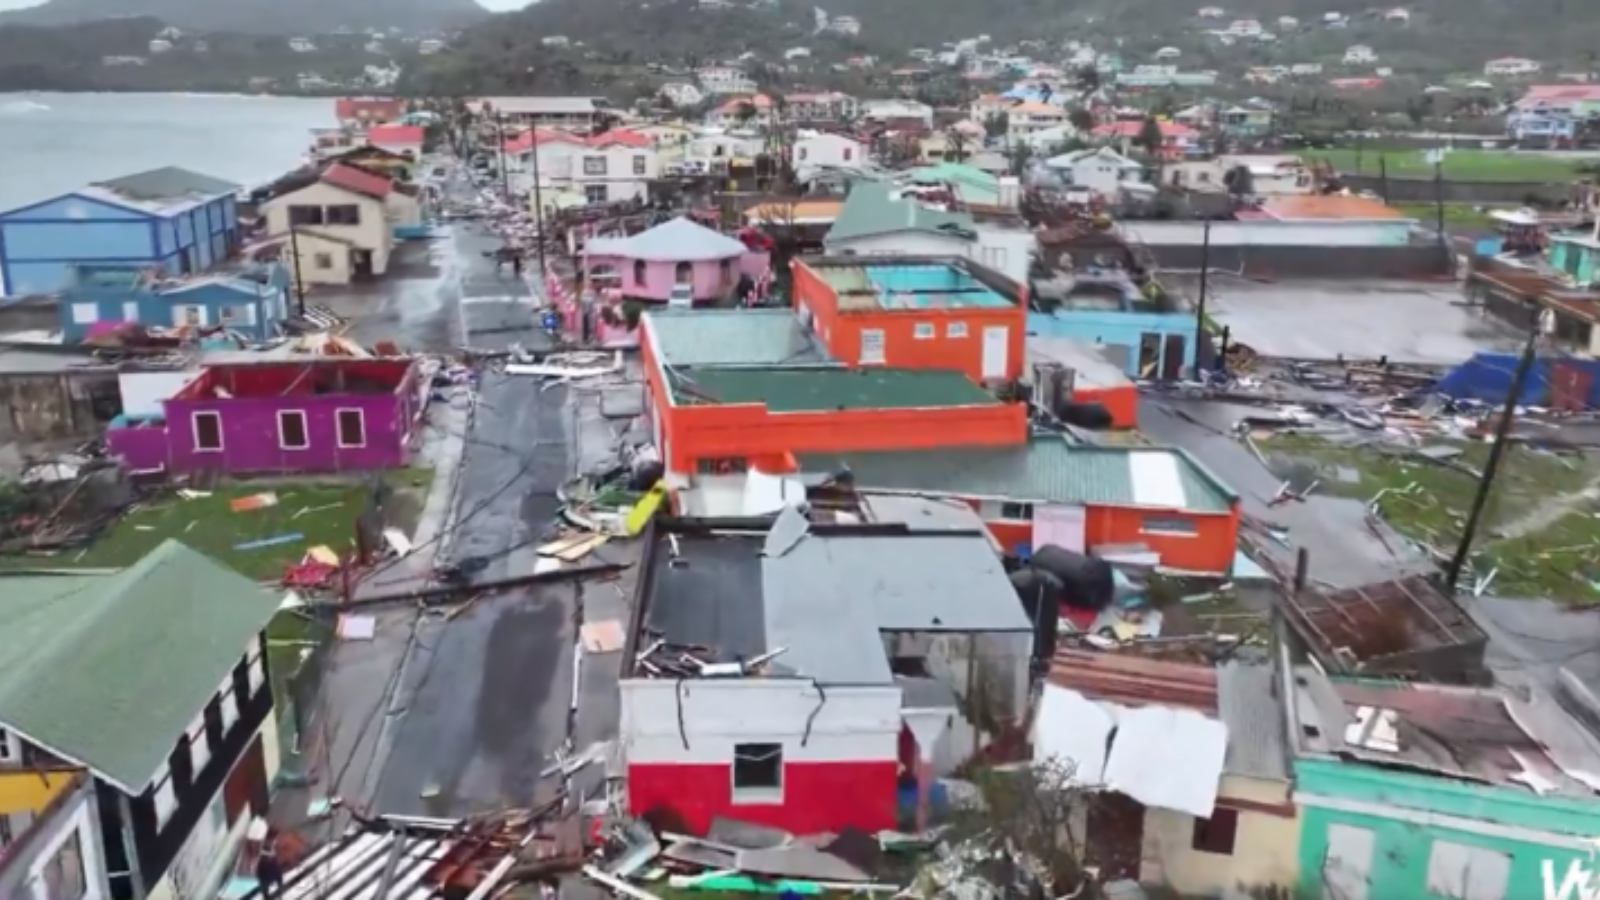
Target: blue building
x=169, y=219
x=250, y=301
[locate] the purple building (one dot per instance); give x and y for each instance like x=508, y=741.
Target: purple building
x=321, y=415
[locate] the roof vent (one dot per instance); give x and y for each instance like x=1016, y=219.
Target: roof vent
x=1374, y=729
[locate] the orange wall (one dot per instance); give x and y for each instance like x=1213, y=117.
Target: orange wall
x=27, y=790
x=841, y=331
x=749, y=431
x=1210, y=549
x=1121, y=401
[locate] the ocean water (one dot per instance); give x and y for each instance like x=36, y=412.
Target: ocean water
x=54, y=143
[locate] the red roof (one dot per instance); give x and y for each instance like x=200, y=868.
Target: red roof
x=623, y=136
x=1562, y=92
x=1135, y=680
x=1131, y=129
x=380, y=109
x=357, y=180
x=395, y=134
x=527, y=140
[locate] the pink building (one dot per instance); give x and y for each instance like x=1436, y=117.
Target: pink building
x=671, y=260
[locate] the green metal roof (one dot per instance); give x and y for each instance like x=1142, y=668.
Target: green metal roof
x=1047, y=469
x=794, y=390
x=873, y=209
x=109, y=670
x=973, y=185
x=733, y=337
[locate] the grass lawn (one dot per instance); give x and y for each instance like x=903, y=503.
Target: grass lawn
x=321, y=513
x=1459, y=165
x=1429, y=503
x=1458, y=217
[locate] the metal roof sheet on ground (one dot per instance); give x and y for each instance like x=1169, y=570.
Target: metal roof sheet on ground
x=801, y=389
x=354, y=867
x=749, y=337
x=1047, y=469
x=679, y=240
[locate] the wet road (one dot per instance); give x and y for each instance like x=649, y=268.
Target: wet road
x=486, y=696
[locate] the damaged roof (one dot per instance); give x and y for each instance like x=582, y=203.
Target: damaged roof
x=824, y=594
x=732, y=337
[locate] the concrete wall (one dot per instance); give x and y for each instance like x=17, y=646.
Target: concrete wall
x=46, y=406
x=1266, y=846
x=1118, y=329
x=1423, y=190
x=1411, y=261
x=1273, y=233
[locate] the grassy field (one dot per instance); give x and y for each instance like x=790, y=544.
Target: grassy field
x=320, y=513
x=1459, y=165
x=1541, y=524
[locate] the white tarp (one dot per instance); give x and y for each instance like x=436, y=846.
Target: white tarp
x=1072, y=730
x=766, y=494
x=1168, y=758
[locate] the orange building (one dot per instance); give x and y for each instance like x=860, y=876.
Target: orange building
x=915, y=313
x=730, y=390
x=1048, y=490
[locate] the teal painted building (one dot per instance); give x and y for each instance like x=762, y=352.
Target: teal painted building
x=1423, y=791
x=1576, y=255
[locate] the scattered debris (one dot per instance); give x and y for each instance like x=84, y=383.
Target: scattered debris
x=270, y=542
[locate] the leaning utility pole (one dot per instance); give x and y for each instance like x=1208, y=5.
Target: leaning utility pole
x=1496, y=450
x=299, y=282
x=1200, y=305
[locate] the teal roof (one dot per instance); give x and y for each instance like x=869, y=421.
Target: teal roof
x=873, y=209
x=1047, y=469
x=109, y=670
x=972, y=184
x=732, y=337
x=797, y=390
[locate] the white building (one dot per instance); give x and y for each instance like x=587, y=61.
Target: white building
x=1211, y=12
x=742, y=112
x=1360, y=54
x=341, y=224
x=1244, y=28
x=159, y=45
x=555, y=40
x=845, y=25
x=580, y=113
x=682, y=93
x=430, y=46
x=725, y=80
x=302, y=45
x=614, y=168
x=1306, y=69
x=1398, y=15
x=889, y=110
x=1103, y=170
x=1168, y=53
x=1511, y=67
x=797, y=53
x=826, y=106
x=1288, y=23
x=1027, y=119
x=1270, y=175
x=822, y=148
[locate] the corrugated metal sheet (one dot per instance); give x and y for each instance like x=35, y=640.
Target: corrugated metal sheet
x=354, y=867
x=1135, y=680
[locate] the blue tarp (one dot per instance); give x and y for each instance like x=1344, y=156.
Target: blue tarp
x=1487, y=377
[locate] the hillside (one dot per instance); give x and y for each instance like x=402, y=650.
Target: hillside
x=285, y=17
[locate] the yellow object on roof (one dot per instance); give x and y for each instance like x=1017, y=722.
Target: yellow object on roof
x=805, y=212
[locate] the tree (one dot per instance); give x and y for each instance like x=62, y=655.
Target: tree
x=1149, y=138
x=996, y=125
x=1025, y=820
x=1019, y=156
x=1087, y=79
x=955, y=143
x=744, y=112
x=1081, y=119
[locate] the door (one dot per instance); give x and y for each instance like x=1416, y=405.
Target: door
x=996, y=348
x=1347, y=863
x=1114, y=843
x=1172, y=353
x=361, y=260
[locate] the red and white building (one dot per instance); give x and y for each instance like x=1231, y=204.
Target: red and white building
x=803, y=722
x=728, y=115
x=362, y=112
x=405, y=140
x=609, y=167
x=1176, y=139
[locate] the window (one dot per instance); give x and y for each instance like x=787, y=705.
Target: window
x=757, y=773
x=923, y=331
x=847, y=154
x=1168, y=525
x=85, y=313
x=1022, y=512
x=63, y=875
x=191, y=315
x=166, y=799
x=1467, y=873
x=640, y=165
x=352, y=428
x=801, y=154
x=683, y=273
x=229, y=314
x=729, y=465
x=322, y=261
x=343, y=214
x=305, y=215
x=227, y=703
x=199, y=744
x=594, y=165
x=594, y=193
x=292, y=430
x=639, y=270
x=1216, y=834
x=9, y=749
x=725, y=269
x=871, y=346
x=207, y=430
x=955, y=330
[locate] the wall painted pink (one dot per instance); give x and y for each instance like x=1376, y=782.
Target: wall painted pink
x=711, y=280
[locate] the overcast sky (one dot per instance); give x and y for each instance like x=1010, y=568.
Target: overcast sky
x=492, y=4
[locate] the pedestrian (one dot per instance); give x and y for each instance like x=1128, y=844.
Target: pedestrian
x=516, y=265
x=269, y=869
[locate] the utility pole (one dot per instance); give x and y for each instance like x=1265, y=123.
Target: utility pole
x=299, y=282
x=538, y=201
x=1438, y=194
x=1496, y=451
x=500, y=138
x=1200, y=306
